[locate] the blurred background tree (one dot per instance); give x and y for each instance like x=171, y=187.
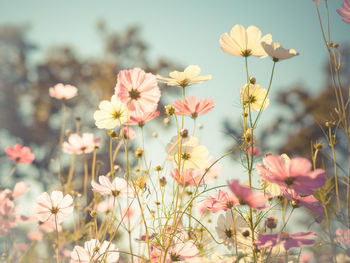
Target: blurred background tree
x=31, y=117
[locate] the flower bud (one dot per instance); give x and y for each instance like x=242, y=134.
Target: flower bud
x=271, y=222
x=184, y=133
x=157, y=168
x=138, y=153
x=252, y=80
x=318, y=146
x=162, y=181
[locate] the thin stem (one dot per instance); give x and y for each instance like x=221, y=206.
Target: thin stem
x=61, y=142
x=58, y=241
x=9, y=176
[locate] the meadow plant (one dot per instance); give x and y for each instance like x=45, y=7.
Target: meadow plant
x=162, y=210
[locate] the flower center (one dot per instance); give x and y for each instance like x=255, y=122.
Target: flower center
x=183, y=83
x=246, y=233
x=116, y=115
x=251, y=99
x=229, y=204
x=185, y=156
x=246, y=52
x=194, y=115
x=115, y=193
x=54, y=210
x=289, y=181
x=228, y=233
x=134, y=94
x=285, y=235
x=174, y=257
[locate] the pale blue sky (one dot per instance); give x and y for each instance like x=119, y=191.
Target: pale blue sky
x=188, y=32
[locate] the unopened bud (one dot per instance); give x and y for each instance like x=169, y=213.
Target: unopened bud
x=157, y=168
x=184, y=133
x=162, y=181
x=138, y=153
x=93, y=213
x=318, y=146
x=166, y=121
x=154, y=134
x=271, y=222
x=252, y=80
x=113, y=134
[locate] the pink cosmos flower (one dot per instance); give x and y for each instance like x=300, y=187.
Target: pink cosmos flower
x=63, y=92
x=288, y=240
x=345, y=12
x=212, y=171
x=54, y=207
x=20, y=189
x=19, y=154
x=119, y=187
x=296, y=174
x=188, y=178
x=128, y=133
x=254, y=152
x=222, y=201
x=245, y=196
x=79, y=145
x=35, y=236
x=193, y=107
x=309, y=202
x=184, y=252
x=342, y=237
x=138, y=90
x=140, y=118
x=49, y=225
x=305, y=258
x=8, y=216
x=106, y=205
x=203, y=207
x=94, y=251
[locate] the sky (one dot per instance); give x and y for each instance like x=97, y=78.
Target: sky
x=188, y=32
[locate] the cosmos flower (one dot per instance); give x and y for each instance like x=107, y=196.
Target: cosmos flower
x=94, y=251
x=140, y=118
x=80, y=144
x=345, y=12
x=255, y=97
x=296, y=175
x=119, y=187
x=288, y=240
x=128, y=133
x=188, y=177
x=9, y=217
x=233, y=229
x=184, y=78
x=342, y=237
x=111, y=114
x=35, y=236
x=138, y=90
x=53, y=207
x=192, y=157
x=277, y=52
x=183, y=251
x=192, y=107
x=245, y=196
x=309, y=201
x=222, y=201
x=63, y=92
x=245, y=43
x=19, y=154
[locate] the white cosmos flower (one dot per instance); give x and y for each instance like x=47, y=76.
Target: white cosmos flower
x=245, y=43
x=185, y=78
x=254, y=95
x=193, y=156
x=111, y=114
x=231, y=228
x=277, y=52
